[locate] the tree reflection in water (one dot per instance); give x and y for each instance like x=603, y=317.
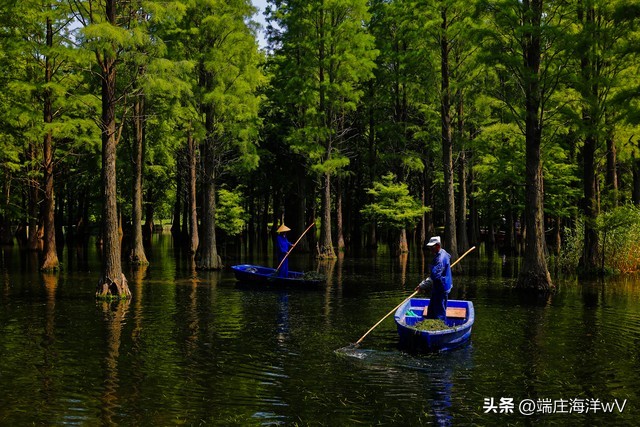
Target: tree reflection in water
x=114, y=314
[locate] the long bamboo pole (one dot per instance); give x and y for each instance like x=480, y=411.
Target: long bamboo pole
x=293, y=246
x=405, y=300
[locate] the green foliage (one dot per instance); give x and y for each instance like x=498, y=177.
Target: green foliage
x=393, y=207
x=572, y=247
x=619, y=231
x=619, y=236
x=230, y=214
x=320, y=85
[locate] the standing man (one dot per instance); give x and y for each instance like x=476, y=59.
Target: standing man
x=439, y=279
x=283, y=245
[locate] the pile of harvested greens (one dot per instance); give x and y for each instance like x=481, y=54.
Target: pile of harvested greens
x=431, y=325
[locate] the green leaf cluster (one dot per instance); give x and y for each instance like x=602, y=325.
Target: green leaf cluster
x=393, y=207
x=231, y=216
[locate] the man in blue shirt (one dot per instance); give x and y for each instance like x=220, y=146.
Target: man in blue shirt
x=283, y=245
x=439, y=279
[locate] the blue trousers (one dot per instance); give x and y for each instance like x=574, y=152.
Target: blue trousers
x=284, y=268
x=438, y=303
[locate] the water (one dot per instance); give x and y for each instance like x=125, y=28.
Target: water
x=198, y=349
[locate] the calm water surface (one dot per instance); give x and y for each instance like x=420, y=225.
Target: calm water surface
x=197, y=349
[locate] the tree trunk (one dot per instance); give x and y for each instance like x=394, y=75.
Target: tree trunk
x=50, y=262
x=194, y=241
x=325, y=249
x=186, y=215
x=326, y=243
x=149, y=211
x=177, y=206
x=461, y=228
x=209, y=258
x=422, y=238
x=450, y=242
x=403, y=245
x=138, y=256
x=534, y=274
x=589, y=260
x=612, y=175
x=6, y=238
x=636, y=180
x=372, y=241
x=339, y=217
x=474, y=221
x=112, y=281
x=33, y=202
x=264, y=224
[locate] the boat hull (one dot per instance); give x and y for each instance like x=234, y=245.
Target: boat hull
x=266, y=276
x=412, y=312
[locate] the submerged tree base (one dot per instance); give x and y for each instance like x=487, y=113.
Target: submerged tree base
x=108, y=289
x=535, y=281
x=50, y=263
x=211, y=262
x=326, y=252
x=135, y=260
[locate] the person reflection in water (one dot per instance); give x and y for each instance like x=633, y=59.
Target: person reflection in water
x=283, y=245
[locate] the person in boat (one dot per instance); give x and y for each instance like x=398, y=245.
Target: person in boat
x=439, y=280
x=283, y=245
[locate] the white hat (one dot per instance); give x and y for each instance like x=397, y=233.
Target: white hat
x=435, y=240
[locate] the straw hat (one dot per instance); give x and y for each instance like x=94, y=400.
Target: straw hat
x=283, y=228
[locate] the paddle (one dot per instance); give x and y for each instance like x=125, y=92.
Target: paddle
x=398, y=306
x=293, y=246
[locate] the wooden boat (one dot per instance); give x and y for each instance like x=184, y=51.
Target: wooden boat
x=256, y=274
x=460, y=317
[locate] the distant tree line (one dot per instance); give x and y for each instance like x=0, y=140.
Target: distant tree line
x=381, y=120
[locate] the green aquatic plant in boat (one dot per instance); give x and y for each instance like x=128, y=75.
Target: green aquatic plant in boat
x=431, y=325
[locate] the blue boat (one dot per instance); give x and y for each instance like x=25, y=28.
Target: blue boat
x=460, y=317
x=259, y=275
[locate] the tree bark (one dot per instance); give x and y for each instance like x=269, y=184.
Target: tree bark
x=209, y=258
x=112, y=282
x=461, y=228
x=177, y=206
x=137, y=255
x=33, y=202
x=534, y=274
x=636, y=180
x=474, y=221
x=403, y=245
x=194, y=241
x=450, y=242
x=50, y=262
x=326, y=250
x=589, y=259
x=6, y=238
x=149, y=212
x=612, y=173
x=339, y=217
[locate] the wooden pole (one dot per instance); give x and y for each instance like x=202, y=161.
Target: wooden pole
x=405, y=300
x=294, y=245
